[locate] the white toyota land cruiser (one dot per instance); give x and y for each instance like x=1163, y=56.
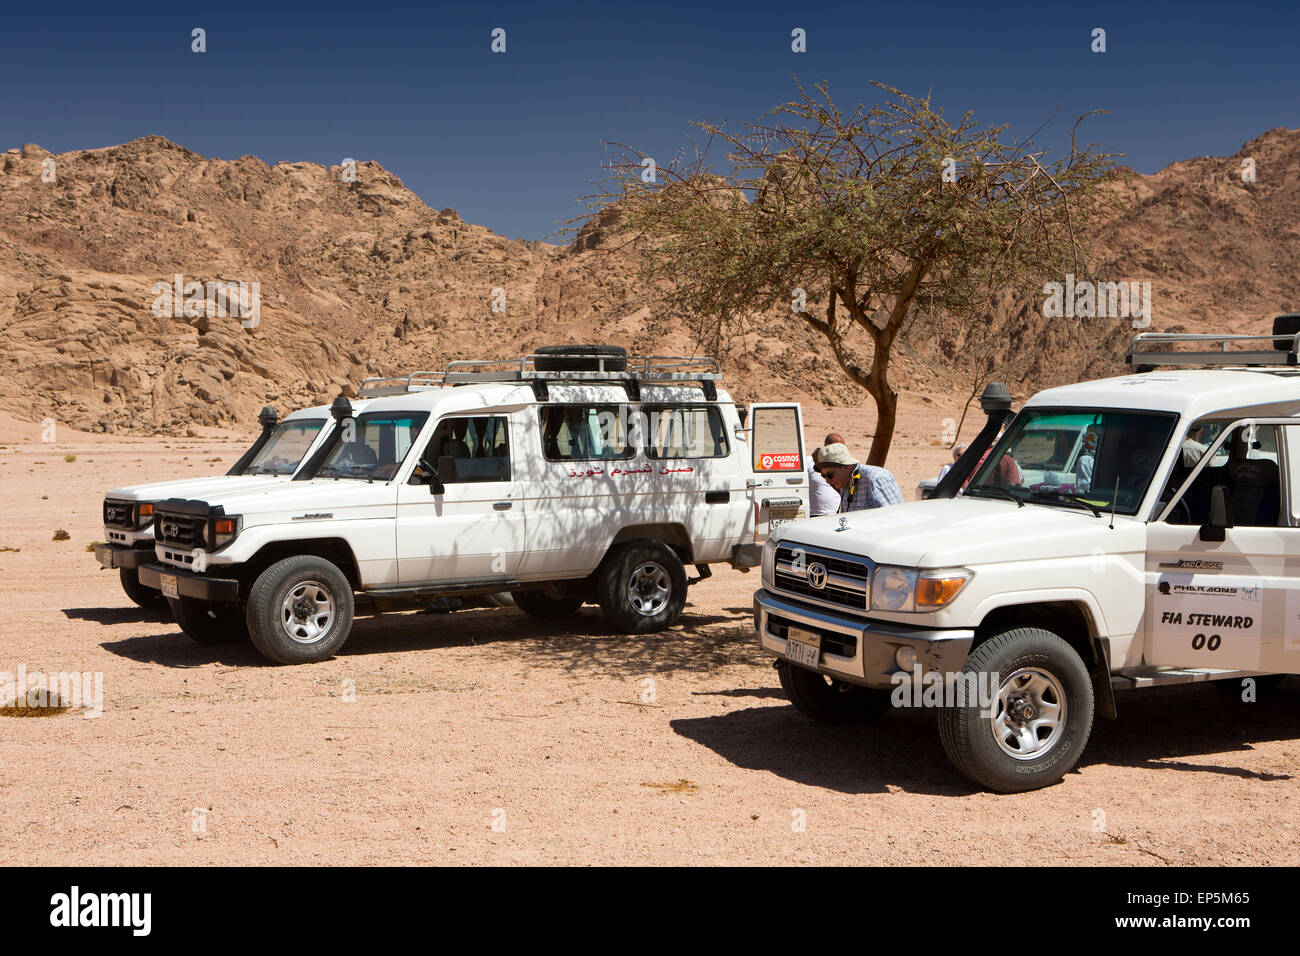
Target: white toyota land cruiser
x=128, y=512
x=576, y=474
x=1125, y=533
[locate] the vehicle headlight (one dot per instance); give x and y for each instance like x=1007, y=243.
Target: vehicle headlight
x=224, y=531
x=903, y=589
x=143, y=515
x=769, y=562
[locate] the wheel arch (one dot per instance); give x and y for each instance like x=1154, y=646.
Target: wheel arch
x=335, y=550
x=1072, y=620
x=670, y=533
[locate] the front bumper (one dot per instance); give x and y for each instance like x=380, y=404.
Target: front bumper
x=123, y=555
x=191, y=585
x=859, y=650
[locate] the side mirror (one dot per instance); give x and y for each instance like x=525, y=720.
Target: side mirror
x=436, y=487
x=1220, y=515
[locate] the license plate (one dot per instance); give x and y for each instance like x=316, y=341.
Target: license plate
x=167, y=584
x=779, y=516
x=803, y=647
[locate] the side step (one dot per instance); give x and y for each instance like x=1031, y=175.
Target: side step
x=1165, y=676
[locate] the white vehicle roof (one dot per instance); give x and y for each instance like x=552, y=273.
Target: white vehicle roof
x=1191, y=393
x=449, y=398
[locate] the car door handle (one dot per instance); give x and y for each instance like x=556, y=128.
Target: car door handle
x=502, y=506
x=717, y=497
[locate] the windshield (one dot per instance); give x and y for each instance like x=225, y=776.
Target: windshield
x=285, y=448
x=1076, y=458
x=372, y=447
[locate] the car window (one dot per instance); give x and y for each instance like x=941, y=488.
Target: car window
x=468, y=448
x=1245, y=466
x=372, y=446
x=283, y=451
x=586, y=432
x=684, y=431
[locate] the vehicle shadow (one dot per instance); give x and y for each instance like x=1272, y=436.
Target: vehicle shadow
x=1156, y=729
x=174, y=649
x=118, y=615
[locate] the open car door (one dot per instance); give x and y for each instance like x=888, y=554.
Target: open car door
x=778, y=480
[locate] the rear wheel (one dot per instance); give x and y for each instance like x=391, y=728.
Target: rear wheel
x=1039, y=721
x=137, y=592
x=300, y=610
x=829, y=701
x=209, y=623
x=541, y=604
x=642, y=587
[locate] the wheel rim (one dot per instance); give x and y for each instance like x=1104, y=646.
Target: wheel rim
x=649, y=589
x=307, y=612
x=1029, y=716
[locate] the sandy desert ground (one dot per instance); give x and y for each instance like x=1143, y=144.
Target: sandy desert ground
x=487, y=717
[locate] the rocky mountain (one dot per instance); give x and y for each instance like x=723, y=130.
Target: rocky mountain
x=119, y=268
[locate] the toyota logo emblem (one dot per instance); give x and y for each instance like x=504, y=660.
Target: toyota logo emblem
x=817, y=575
x=170, y=529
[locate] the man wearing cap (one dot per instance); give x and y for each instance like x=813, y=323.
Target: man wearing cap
x=822, y=498
x=860, y=486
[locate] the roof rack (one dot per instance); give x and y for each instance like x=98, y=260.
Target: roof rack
x=640, y=370
x=1281, y=349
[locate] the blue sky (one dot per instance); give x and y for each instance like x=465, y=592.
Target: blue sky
x=512, y=140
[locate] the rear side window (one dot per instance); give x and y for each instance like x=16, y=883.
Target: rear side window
x=586, y=433
x=684, y=431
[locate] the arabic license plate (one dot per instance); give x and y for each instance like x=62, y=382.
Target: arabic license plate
x=167, y=583
x=803, y=647
x=779, y=516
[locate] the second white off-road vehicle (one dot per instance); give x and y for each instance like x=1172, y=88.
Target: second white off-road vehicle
x=1125, y=533
x=576, y=474
x=275, y=456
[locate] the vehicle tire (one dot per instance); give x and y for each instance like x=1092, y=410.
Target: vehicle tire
x=209, y=623
x=137, y=592
x=300, y=610
x=1039, y=721
x=1265, y=684
x=829, y=701
x=641, y=587
x=580, y=358
x=541, y=604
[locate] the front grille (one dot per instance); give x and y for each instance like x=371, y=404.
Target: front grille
x=184, y=531
x=833, y=642
x=119, y=514
x=844, y=578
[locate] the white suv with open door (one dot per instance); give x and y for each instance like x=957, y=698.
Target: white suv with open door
x=128, y=512
x=1126, y=533
x=573, y=475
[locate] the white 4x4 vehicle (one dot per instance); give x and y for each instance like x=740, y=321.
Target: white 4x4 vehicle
x=128, y=512
x=1168, y=552
x=576, y=474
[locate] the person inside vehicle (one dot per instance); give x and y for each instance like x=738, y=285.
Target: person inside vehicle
x=957, y=451
x=860, y=486
x=1087, y=459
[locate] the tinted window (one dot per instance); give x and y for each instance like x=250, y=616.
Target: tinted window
x=469, y=448
x=684, y=431
x=586, y=432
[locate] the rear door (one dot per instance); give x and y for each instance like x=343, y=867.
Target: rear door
x=777, y=481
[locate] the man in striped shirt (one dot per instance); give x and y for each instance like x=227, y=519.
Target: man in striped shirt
x=860, y=486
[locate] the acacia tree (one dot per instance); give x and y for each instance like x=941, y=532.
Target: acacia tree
x=847, y=221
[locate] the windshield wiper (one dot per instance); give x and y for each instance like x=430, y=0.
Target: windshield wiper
x=1070, y=497
x=1000, y=492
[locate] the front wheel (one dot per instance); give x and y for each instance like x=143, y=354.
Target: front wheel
x=300, y=610
x=137, y=592
x=1034, y=729
x=828, y=701
x=209, y=623
x=642, y=587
